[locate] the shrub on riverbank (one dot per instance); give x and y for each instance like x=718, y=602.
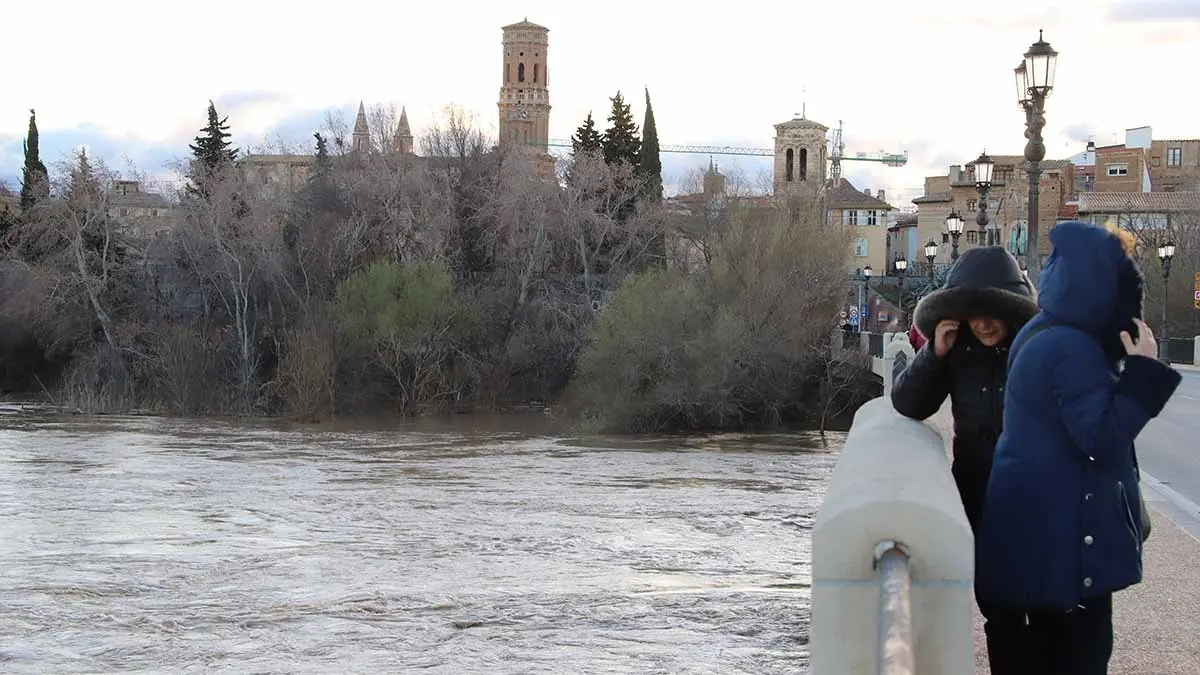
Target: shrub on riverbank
x=739, y=343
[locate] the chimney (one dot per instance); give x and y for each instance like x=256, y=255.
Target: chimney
x=867, y=191
x=880, y=195
x=955, y=174
x=1091, y=146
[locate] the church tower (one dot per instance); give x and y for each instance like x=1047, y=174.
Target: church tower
x=800, y=154
x=360, y=140
x=524, y=95
x=404, y=138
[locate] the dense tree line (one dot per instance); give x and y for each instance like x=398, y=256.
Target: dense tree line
x=453, y=279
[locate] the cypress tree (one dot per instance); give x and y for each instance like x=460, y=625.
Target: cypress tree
x=621, y=142
x=35, y=180
x=649, y=162
x=587, y=138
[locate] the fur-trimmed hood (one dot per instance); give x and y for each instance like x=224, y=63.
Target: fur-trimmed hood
x=1090, y=282
x=985, y=281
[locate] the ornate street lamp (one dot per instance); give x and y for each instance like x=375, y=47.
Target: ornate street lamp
x=1165, y=253
x=1035, y=80
x=954, y=225
x=983, y=182
x=931, y=251
x=901, y=266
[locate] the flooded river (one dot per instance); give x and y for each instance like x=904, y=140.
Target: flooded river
x=138, y=544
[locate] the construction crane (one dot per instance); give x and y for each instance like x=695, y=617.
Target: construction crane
x=837, y=152
x=837, y=155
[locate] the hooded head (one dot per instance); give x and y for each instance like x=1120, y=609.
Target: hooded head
x=984, y=282
x=1091, y=282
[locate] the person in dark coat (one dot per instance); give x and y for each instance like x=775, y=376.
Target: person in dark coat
x=1062, y=527
x=969, y=324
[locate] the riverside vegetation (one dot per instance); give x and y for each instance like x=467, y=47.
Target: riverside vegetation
x=452, y=280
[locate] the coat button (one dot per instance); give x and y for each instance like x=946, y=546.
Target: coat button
x=1087, y=497
x=1087, y=582
x=1088, y=540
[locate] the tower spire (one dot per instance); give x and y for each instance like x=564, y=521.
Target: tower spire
x=404, y=137
x=361, y=138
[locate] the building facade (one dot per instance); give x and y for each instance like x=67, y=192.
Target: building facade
x=1007, y=205
x=868, y=216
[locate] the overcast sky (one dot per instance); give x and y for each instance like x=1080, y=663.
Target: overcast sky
x=131, y=79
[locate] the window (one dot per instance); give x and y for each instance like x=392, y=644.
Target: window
x=972, y=237
x=535, y=72
x=972, y=204
x=1174, y=156
x=803, y=164
x=860, y=247
x=520, y=72
x=508, y=72
x=945, y=237
x=1117, y=169
x=872, y=217
x=789, y=165
x=851, y=217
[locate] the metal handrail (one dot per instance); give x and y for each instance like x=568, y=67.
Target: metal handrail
x=895, y=610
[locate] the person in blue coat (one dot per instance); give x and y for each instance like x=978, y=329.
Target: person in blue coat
x=1062, y=526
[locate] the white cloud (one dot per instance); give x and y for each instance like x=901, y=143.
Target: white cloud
x=934, y=77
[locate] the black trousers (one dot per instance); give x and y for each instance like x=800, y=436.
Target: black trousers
x=1078, y=642
x=1021, y=642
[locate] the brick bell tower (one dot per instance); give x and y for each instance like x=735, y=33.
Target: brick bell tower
x=524, y=92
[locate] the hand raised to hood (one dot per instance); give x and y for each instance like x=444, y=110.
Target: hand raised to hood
x=944, y=337
x=1145, y=345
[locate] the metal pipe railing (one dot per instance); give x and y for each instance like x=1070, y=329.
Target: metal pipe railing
x=895, y=610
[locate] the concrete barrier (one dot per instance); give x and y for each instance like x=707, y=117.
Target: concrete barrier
x=892, y=484
x=1196, y=351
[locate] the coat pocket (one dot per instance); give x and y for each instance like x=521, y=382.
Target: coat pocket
x=1127, y=516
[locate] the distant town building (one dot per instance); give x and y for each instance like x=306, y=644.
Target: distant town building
x=143, y=212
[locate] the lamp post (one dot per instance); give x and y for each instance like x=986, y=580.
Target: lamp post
x=863, y=301
x=954, y=225
x=983, y=183
x=901, y=266
x=931, y=251
x=1035, y=80
x=1165, y=253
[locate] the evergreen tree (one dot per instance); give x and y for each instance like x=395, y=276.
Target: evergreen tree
x=84, y=186
x=211, y=152
x=621, y=142
x=649, y=162
x=586, y=138
x=324, y=165
x=35, y=180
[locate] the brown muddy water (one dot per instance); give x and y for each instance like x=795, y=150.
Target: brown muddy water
x=469, y=545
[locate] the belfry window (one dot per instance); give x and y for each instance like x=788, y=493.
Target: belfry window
x=803, y=164
x=535, y=73
x=789, y=165
x=520, y=72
